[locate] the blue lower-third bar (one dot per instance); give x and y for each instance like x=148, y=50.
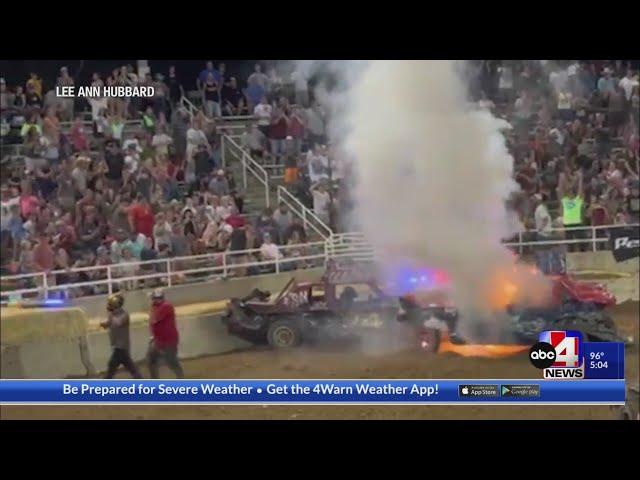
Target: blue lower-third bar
x=490, y=391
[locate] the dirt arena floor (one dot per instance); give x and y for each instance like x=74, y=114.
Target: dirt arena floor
x=314, y=363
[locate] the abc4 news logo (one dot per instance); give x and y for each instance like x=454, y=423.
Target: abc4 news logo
x=559, y=354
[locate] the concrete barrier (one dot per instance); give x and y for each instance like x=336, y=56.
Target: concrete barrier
x=600, y=261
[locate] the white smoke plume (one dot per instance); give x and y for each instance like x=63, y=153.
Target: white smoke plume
x=433, y=172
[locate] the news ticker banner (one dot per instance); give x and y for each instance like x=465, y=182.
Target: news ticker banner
x=277, y=392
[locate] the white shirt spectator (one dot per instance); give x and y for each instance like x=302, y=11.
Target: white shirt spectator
x=541, y=216
x=627, y=85
x=559, y=80
x=131, y=162
x=269, y=251
x=161, y=143
x=132, y=141
x=6, y=211
x=80, y=178
x=254, y=140
x=263, y=112
x=321, y=201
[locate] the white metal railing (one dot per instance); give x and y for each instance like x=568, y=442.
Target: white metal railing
x=230, y=147
x=171, y=270
x=592, y=236
x=186, y=269
x=309, y=218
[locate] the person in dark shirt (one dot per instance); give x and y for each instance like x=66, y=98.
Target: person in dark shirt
x=175, y=87
x=296, y=226
x=114, y=158
x=202, y=162
x=232, y=99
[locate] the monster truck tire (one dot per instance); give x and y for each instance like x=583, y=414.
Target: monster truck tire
x=429, y=339
x=285, y=333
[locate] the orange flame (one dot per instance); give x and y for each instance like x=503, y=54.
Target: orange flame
x=477, y=350
x=522, y=284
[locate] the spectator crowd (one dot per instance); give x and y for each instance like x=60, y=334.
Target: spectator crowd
x=110, y=192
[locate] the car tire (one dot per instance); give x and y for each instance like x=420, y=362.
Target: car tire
x=429, y=339
x=284, y=333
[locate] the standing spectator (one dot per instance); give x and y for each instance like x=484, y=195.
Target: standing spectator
x=606, y=84
x=315, y=122
x=254, y=141
x=90, y=229
x=164, y=336
x=65, y=80
x=211, y=96
x=542, y=218
x=633, y=202
x=51, y=131
x=79, y=139
x=617, y=111
x=35, y=84
x=141, y=219
x=572, y=212
x=296, y=128
x=179, y=128
x=253, y=93
x=202, y=162
x=116, y=126
x=263, y=112
x=278, y=134
x=204, y=74
x=627, y=83
x=321, y=201
x=301, y=86
x=232, y=99
x=176, y=92
x=258, y=78
x=161, y=231
x=282, y=217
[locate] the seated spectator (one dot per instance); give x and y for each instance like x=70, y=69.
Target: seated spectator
x=265, y=224
x=298, y=250
x=268, y=250
x=235, y=219
x=161, y=231
x=127, y=267
x=219, y=184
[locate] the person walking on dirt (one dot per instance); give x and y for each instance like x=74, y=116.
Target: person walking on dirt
x=118, y=325
x=164, y=335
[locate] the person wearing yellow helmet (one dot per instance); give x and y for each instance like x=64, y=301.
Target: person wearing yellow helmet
x=117, y=323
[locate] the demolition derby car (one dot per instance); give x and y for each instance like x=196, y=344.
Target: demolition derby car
x=349, y=300
x=344, y=304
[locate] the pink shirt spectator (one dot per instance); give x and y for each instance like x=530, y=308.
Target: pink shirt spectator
x=28, y=205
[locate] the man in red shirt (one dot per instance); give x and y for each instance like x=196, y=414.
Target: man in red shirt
x=141, y=219
x=164, y=336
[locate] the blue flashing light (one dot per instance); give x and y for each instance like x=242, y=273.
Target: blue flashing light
x=54, y=302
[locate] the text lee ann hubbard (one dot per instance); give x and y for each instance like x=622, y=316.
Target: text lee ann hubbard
x=113, y=91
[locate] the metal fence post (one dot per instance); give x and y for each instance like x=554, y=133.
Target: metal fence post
x=110, y=278
x=168, y=272
x=45, y=285
x=224, y=264
x=222, y=153
x=593, y=237
x=278, y=262
x=304, y=218
x=520, y=242
x=244, y=170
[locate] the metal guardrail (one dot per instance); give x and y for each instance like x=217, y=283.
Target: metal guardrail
x=309, y=218
x=230, y=147
x=198, y=268
x=175, y=270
